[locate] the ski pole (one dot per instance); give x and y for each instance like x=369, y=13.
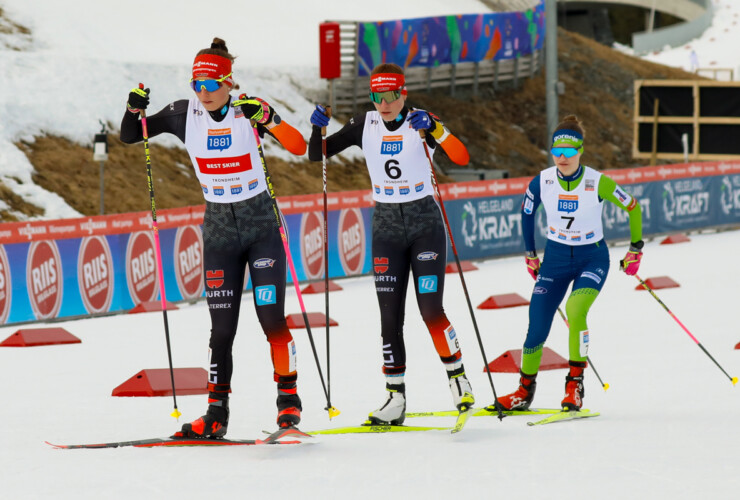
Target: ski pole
x=326, y=256
x=590, y=363
x=460, y=272
x=155, y=231
x=647, y=287
x=333, y=412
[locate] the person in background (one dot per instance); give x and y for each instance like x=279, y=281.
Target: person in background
x=572, y=195
x=239, y=228
x=408, y=232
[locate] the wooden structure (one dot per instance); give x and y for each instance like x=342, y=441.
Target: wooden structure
x=707, y=111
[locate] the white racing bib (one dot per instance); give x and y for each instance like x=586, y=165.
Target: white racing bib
x=396, y=161
x=224, y=155
x=573, y=217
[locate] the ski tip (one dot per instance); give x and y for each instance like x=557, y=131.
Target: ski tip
x=734, y=380
x=176, y=414
x=333, y=412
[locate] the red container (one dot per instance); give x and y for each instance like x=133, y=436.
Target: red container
x=329, y=59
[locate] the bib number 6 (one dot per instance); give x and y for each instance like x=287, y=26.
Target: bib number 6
x=392, y=170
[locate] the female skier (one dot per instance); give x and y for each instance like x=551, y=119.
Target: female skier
x=239, y=227
x=572, y=196
x=408, y=230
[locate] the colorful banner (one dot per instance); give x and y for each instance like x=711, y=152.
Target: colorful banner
x=99, y=265
x=431, y=41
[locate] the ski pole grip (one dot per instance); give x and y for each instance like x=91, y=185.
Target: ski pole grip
x=327, y=113
x=422, y=134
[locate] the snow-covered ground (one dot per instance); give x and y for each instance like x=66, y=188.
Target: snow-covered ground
x=668, y=427
x=715, y=49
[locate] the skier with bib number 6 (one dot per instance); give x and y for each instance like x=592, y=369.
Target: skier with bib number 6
x=240, y=227
x=408, y=230
x=572, y=196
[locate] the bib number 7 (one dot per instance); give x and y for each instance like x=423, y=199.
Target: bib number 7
x=569, y=219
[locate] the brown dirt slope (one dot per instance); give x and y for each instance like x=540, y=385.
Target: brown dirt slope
x=503, y=130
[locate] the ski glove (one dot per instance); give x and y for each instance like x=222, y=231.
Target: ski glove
x=319, y=118
x=138, y=99
x=533, y=264
x=631, y=262
x=255, y=109
x=420, y=120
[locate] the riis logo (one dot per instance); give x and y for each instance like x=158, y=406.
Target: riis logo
x=189, y=261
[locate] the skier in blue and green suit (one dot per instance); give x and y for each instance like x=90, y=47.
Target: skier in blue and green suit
x=572, y=195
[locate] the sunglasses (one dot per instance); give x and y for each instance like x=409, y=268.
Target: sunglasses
x=389, y=96
x=209, y=85
x=567, y=152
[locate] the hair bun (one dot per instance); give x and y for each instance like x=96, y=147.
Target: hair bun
x=219, y=44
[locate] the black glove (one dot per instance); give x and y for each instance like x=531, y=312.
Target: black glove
x=138, y=99
x=255, y=109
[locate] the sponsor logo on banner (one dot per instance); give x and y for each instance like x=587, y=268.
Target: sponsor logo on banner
x=312, y=244
x=6, y=286
x=219, y=139
x=423, y=256
x=141, y=267
x=265, y=295
x=567, y=203
x=685, y=199
x=380, y=265
x=391, y=145
x=351, y=234
x=95, y=274
x=263, y=263
x=189, y=261
x=44, y=279
x=427, y=284
x=469, y=225
x=224, y=166
x=487, y=222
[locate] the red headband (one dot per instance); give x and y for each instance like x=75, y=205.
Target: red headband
x=211, y=66
x=383, y=82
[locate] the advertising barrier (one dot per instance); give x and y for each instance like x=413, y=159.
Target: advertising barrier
x=105, y=264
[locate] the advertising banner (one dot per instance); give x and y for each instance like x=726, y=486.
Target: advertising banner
x=105, y=264
x=431, y=41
